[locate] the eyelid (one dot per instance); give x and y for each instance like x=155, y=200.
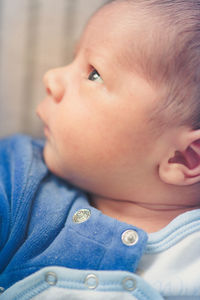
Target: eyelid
x=93, y=70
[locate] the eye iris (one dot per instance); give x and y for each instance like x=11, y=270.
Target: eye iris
x=94, y=75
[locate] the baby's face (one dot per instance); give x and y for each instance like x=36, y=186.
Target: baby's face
x=96, y=111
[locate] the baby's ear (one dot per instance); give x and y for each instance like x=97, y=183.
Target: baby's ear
x=183, y=166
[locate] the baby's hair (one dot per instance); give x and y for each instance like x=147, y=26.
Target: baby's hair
x=170, y=56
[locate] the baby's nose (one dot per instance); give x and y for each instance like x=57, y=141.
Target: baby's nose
x=54, y=85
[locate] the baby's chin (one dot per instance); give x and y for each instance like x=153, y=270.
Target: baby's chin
x=50, y=161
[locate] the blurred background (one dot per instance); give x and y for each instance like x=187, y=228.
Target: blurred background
x=35, y=35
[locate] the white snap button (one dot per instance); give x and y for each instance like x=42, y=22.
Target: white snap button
x=129, y=284
x=1, y=289
x=129, y=237
x=51, y=278
x=91, y=281
x=81, y=215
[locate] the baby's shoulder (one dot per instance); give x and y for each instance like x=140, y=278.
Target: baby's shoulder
x=19, y=143
x=20, y=149
x=21, y=159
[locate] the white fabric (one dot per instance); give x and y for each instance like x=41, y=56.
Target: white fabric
x=63, y=294
x=175, y=271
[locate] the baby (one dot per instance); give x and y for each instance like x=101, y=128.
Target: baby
x=113, y=209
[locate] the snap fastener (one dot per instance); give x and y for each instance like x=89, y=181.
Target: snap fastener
x=129, y=237
x=1, y=289
x=81, y=215
x=91, y=281
x=51, y=278
x=129, y=284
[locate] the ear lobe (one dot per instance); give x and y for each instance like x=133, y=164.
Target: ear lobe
x=184, y=167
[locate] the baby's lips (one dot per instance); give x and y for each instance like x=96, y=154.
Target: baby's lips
x=39, y=111
x=46, y=131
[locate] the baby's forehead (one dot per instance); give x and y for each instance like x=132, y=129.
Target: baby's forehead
x=116, y=30
x=114, y=20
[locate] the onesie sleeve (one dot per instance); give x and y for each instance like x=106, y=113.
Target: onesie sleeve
x=20, y=161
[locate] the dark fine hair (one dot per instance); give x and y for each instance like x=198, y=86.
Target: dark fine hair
x=170, y=56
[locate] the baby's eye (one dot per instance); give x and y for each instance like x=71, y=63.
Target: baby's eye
x=94, y=76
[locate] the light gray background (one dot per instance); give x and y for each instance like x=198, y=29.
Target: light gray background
x=35, y=35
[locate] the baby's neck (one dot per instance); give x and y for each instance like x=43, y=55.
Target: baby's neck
x=149, y=217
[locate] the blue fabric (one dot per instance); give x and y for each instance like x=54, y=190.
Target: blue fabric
x=36, y=220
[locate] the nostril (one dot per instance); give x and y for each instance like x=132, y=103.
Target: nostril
x=55, y=92
x=48, y=91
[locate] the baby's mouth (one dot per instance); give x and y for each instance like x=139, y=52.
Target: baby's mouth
x=45, y=126
x=46, y=131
